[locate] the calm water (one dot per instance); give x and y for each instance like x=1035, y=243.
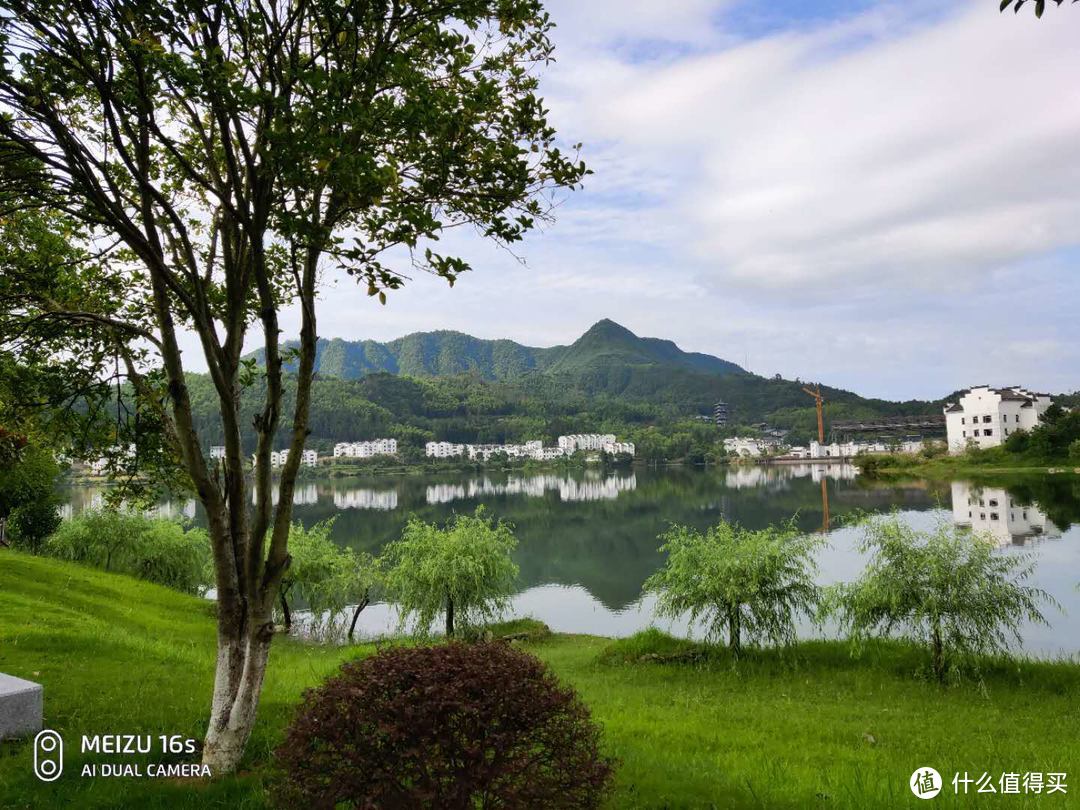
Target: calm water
x=587, y=540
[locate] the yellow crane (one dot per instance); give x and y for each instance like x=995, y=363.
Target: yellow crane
x=815, y=392
x=819, y=400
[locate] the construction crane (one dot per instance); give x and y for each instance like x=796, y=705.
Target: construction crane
x=820, y=401
x=816, y=394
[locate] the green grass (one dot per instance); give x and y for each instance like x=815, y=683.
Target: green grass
x=811, y=727
x=992, y=461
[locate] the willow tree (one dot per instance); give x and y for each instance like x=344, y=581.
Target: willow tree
x=216, y=158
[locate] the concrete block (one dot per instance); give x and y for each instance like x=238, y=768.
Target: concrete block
x=21, y=707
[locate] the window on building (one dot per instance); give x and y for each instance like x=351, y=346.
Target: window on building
x=962, y=422
x=986, y=419
x=993, y=515
x=993, y=501
x=975, y=433
x=988, y=432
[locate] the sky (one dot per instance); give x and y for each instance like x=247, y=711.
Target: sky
x=883, y=197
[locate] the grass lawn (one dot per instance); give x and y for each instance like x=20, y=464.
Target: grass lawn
x=813, y=728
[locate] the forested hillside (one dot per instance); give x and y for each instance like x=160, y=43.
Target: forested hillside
x=452, y=386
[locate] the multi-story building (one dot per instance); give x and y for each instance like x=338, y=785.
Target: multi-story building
x=617, y=448
x=366, y=449
x=720, y=414
x=585, y=441
x=308, y=458
x=985, y=417
x=217, y=451
x=443, y=450
x=745, y=446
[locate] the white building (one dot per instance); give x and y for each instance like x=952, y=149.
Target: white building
x=116, y=455
x=986, y=417
x=366, y=449
x=585, y=441
x=992, y=511
x=443, y=450
x=744, y=446
x=615, y=448
x=309, y=458
x=852, y=449
x=217, y=451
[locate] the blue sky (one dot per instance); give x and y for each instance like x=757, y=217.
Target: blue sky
x=880, y=196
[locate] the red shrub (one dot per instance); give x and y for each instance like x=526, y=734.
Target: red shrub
x=450, y=726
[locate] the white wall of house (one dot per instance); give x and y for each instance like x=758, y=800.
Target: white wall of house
x=986, y=417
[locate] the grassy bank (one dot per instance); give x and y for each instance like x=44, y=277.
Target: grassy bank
x=993, y=462
x=812, y=728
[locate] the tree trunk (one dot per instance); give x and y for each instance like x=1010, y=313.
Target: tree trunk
x=449, y=616
x=3, y=532
x=286, y=617
x=938, y=652
x=356, y=615
x=734, y=631
x=243, y=651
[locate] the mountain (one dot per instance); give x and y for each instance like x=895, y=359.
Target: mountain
x=607, y=344
x=604, y=349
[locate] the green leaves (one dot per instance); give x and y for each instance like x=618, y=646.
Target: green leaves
x=466, y=562
x=325, y=577
x=738, y=582
x=948, y=589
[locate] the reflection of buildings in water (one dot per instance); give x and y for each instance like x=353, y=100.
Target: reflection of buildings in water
x=569, y=489
x=745, y=477
x=993, y=511
x=384, y=500
x=750, y=477
x=96, y=502
x=303, y=495
x=821, y=472
x=607, y=489
x=172, y=509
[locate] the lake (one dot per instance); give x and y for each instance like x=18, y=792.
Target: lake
x=587, y=539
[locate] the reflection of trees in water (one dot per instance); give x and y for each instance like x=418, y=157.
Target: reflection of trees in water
x=597, y=531
x=1058, y=496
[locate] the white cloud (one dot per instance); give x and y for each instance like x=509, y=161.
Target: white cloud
x=849, y=201
x=945, y=150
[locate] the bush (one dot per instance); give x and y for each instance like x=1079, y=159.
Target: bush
x=451, y=726
x=32, y=522
x=153, y=549
x=1074, y=452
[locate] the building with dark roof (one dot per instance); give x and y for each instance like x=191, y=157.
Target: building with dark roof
x=985, y=417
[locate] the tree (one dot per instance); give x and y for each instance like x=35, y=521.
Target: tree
x=948, y=589
x=739, y=582
x=28, y=499
x=1040, y=5
x=327, y=578
x=462, y=570
x=211, y=161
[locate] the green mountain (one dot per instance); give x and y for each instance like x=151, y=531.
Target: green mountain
x=606, y=347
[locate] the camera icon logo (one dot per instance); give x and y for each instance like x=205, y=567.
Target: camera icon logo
x=48, y=755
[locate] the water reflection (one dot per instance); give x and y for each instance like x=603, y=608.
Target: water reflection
x=994, y=512
x=588, y=539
